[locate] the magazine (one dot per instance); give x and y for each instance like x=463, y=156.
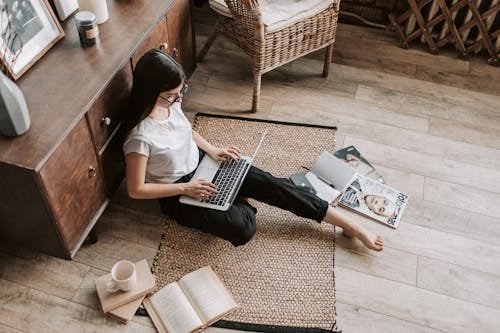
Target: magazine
x=353, y=157
x=335, y=181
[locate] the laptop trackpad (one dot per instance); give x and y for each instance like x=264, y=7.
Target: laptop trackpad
x=205, y=173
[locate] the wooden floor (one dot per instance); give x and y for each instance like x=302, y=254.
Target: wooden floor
x=431, y=126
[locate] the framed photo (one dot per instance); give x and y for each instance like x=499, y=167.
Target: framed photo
x=28, y=29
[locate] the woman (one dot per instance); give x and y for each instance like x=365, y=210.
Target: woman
x=162, y=151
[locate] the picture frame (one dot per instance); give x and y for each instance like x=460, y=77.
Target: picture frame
x=28, y=29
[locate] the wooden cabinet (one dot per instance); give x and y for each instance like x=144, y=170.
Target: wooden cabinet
x=56, y=179
x=72, y=182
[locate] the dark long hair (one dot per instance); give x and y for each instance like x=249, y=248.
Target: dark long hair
x=154, y=73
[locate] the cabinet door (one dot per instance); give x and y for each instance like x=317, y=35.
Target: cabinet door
x=107, y=111
x=158, y=38
x=180, y=35
x=74, y=185
x=113, y=164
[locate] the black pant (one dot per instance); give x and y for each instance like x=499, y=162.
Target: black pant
x=237, y=224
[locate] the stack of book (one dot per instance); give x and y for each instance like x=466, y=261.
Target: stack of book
x=122, y=305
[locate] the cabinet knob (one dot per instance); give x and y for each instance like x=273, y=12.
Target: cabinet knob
x=92, y=171
x=175, y=52
x=106, y=121
x=164, y=46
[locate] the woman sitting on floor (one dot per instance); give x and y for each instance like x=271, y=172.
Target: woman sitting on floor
x=162, y=152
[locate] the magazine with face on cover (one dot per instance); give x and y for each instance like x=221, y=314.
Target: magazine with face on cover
x=374, y=199
x=358, y=163
x=336, y=182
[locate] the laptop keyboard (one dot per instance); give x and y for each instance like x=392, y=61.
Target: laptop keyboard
x=225, y=179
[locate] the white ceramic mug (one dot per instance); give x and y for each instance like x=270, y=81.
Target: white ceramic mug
x=98, y=7
x=123, y=276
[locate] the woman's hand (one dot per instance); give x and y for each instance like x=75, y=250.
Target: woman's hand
x=200, y=189
x=225, y=154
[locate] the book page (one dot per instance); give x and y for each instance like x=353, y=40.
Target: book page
x=208, y=295
x=173, y=310
x=374, y=199
x=333, y=170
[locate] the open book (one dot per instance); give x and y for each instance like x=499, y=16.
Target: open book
x=335, y=180
x=353, y=157
x=194, y=302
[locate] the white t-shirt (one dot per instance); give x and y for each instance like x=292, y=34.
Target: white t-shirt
x=168, y=144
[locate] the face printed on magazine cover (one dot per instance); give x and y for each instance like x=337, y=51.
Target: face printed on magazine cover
x=380, y=205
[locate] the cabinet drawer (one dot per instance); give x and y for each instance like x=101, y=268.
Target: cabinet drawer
x=73, y=184
x=107, y=111
x=158, y=38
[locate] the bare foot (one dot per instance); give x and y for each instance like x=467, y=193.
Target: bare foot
x=351, y=229
x=371, y=241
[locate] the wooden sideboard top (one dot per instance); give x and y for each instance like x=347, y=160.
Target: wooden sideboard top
x=61, y=86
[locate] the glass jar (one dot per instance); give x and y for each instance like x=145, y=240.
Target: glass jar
x=86, y=25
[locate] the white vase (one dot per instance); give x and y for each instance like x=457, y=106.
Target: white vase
x=98, y=7
x=14, y=116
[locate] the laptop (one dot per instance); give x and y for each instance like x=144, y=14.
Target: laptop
x=226, y=176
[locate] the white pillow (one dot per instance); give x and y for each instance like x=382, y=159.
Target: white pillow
x=278, y=14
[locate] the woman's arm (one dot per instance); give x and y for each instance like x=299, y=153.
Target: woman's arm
x=137, y=187
x=218, y=154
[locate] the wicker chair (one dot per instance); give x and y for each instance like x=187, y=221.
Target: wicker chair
x=271, y=46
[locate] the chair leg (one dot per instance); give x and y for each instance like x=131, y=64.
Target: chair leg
x=256, y=91
x=328, y=60
x=208, y=43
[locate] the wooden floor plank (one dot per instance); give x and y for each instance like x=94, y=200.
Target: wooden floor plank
x=131, y=225
x=50, y=314
x=38, y=271
x=394, y=264
x=7, y=329
x=459, y=131
x=108, y=250
x=461, y=196
x=392, y=99
x=453, y=220
x=438, y=245
x=358, y=319
x=458, y=282
x=443, y=77
x=426, y=308
x=412, y=86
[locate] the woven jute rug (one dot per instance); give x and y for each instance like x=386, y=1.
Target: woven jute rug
x=283, y=278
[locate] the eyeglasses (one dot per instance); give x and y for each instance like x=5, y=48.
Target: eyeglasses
x=181, y=94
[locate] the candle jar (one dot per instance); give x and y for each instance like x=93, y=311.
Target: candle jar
x=88, y=31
